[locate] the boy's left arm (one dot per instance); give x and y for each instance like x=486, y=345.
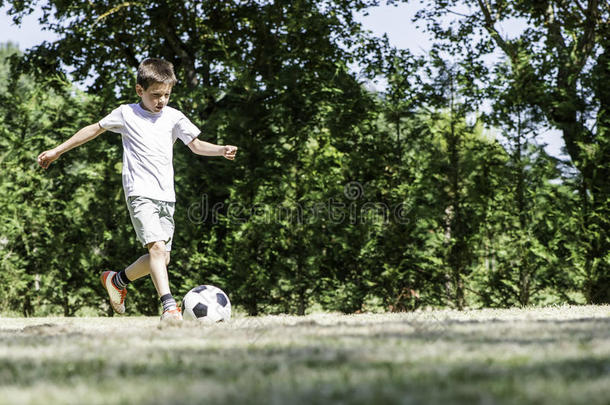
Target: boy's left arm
x=209, y=149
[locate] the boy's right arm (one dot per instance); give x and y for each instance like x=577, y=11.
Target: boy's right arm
x=84, y=135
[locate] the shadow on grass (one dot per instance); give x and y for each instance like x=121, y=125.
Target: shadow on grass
x=307, y=375
x=451, y=330
x=224, y=363
x=358, y=362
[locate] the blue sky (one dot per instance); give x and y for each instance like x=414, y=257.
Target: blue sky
x=386, y=19
x=395, y=21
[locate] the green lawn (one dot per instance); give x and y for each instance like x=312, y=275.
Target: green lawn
x=555, y=355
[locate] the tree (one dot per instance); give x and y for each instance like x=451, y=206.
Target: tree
x=255, y=74
x=556, y=58
x=53, y=243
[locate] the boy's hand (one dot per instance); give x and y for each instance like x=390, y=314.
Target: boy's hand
x=230, y=152
x=47, y=157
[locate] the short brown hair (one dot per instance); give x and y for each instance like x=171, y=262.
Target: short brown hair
x=155, y=70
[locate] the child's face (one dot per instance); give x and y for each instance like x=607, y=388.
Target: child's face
x=155, y=97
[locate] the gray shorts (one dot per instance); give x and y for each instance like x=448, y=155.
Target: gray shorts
x=153, y=220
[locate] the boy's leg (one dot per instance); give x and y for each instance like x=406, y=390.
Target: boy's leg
x=158, y=272
x=115, y=283
x=141, y=267
x=154, y=225
x=153, y=222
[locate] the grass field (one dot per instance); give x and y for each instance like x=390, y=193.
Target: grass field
x=555, y=355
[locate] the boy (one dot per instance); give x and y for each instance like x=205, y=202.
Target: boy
x=149, y=130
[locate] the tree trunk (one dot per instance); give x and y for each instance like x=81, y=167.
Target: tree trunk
x=525, y=272
x=456, y=251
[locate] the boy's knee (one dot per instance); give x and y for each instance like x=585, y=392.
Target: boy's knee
x=157, y=249
x=166, y=258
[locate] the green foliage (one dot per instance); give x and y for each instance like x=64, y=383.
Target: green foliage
x=38, y=243
x=557, y=68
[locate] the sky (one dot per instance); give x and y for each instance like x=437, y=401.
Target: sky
x=395, y=21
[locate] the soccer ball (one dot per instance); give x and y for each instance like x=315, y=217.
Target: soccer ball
x=206, y=303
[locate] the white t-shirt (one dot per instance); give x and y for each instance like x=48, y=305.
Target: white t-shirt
x=148, y=141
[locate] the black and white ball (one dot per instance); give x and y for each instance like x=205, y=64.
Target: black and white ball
x=206, y=303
